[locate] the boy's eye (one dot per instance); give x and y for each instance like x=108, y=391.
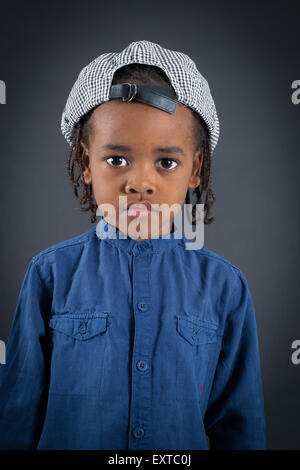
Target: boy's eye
x=116, y=160
x=166, y=163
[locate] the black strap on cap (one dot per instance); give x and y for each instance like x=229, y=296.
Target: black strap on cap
x=162, y=97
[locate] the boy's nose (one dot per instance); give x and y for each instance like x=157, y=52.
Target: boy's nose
x=141, y=180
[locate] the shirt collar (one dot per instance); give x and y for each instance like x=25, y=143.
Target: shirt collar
x=115, y=237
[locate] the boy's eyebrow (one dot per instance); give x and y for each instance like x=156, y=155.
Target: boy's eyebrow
x=125, y=148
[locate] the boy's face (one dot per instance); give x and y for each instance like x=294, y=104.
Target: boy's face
x=144, y=168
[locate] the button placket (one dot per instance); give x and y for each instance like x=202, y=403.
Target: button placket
x=141, y=377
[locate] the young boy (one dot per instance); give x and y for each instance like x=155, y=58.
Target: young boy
x=125, y=342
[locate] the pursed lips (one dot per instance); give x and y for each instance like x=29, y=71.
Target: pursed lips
x=139, y=208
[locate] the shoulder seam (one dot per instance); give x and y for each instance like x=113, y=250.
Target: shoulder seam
x=223, y=260
x=42, y=281
x=35, y=264
x=235, y=271
x=49, y=250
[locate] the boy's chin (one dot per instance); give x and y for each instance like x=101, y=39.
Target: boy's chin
x=142, y=229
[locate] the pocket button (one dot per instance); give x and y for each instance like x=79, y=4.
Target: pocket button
x=194, y=334
x=82, y=327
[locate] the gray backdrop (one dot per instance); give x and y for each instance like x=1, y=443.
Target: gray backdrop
x=250, y=57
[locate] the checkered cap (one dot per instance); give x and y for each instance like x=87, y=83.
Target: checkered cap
x=92, y=86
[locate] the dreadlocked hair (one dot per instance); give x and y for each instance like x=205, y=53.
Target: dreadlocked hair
x=140, y=74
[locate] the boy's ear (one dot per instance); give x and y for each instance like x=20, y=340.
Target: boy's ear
x=196, y=170
x=86, y=174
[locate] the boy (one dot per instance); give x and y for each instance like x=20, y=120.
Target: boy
x=134, y=342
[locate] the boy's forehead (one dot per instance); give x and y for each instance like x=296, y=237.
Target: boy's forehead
x=118, y=116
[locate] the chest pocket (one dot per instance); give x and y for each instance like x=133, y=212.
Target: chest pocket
x=198, y=344
x=78, y=350
x=196, y=331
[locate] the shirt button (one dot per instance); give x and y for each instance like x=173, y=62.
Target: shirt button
x=142, y=365
x=138, y=432
x=82, y=328
x=144, y=245
x=143, y=306
x=136, y=249
x=194, y=334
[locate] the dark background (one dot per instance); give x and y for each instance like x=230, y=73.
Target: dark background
x=249, y=53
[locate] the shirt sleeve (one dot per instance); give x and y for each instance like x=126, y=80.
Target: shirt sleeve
x=23, y=377
x=235, y=412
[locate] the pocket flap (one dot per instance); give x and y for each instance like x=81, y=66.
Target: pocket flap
x=197, y=331
x=80, y=326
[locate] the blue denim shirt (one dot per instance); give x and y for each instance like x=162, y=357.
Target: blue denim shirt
x=125, y=344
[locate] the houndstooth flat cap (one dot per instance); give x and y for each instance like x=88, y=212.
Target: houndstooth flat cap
x=93, y=84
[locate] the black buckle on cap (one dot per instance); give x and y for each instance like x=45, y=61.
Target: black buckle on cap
x=161, y=97
x=132, y=91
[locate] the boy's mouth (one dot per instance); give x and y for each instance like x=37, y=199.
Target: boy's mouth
x=139, y=209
